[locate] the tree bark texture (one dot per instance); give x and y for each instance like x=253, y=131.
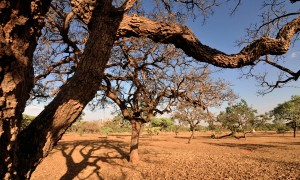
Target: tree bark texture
x=20, y=27
x=41, y=136
x=134, y=145
x=36, y=141
x=182, y=37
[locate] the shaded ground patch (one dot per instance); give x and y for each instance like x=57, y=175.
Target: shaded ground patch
x=167, y=157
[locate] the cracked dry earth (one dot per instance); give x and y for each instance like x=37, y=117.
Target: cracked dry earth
x=92, y=156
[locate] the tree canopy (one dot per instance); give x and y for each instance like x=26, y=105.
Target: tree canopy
x=289, y=112
x=73, y=42
x=238, y=117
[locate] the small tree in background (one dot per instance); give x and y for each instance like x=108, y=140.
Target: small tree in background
x=192, y=115
x=238, y=118
x=27, y=119
x=117, y=124
x=201, y=92
x=289, y=112
x=162, y=123
x=264, y=122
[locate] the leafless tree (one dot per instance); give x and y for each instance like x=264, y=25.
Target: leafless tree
x=143, y=79
x=105, y=22
x=202, y=92
x=192, y=115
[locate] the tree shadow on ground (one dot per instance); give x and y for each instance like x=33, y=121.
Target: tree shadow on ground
x=86, y=149
x=288, y=164
x=197, y=136
x=244, y=146
x=287, y=143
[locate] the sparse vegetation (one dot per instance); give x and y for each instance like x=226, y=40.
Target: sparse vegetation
x=60, y=52
x=265, y=155
x=288, y=113
x=239, y=117
x=27, y=119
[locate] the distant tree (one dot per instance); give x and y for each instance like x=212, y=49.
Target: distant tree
x=192, y=115
x=238, y=118
x=120, y=121
x=263, y=122
x=280, y=127
x=27, y=119
x=162, y=123
x=289, y=112
x=201, y=92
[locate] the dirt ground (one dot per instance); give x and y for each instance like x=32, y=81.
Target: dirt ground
x=93, y=156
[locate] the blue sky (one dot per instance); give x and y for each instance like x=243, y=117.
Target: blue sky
x=221, y=31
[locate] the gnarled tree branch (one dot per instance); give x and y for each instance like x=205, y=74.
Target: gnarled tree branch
x=182, y=37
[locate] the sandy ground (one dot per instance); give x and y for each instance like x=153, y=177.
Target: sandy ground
x=93, y=156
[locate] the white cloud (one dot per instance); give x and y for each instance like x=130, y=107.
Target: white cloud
x=295, y=54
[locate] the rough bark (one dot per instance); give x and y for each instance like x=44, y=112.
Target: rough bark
x=182, y=37
x=38, y=139
x=20, y=27
x=134, y=144
x=50, y=125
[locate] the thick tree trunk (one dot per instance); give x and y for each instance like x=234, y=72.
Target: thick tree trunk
x=192, y=135
x=134, y=144
x=36, y=141
x=20, y=27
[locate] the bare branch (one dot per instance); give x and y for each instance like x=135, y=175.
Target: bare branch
x=277, y=18
x=65, y=29
x=52, y=67
x=280, y=67
x=182, y=37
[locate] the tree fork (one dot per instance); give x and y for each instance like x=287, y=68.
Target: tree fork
x=36, y=141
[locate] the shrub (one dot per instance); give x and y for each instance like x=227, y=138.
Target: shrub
x=106, y=130
x=85, y=127
x=281, y=128
x=27, y=120
x=163, y=123
x=117, y=126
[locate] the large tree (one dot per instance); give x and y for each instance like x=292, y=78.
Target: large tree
x=143, y=79
x=105, y=21
x=289, y=112
x=21, y=24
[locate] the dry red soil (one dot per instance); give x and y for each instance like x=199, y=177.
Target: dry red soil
x=93, y=156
